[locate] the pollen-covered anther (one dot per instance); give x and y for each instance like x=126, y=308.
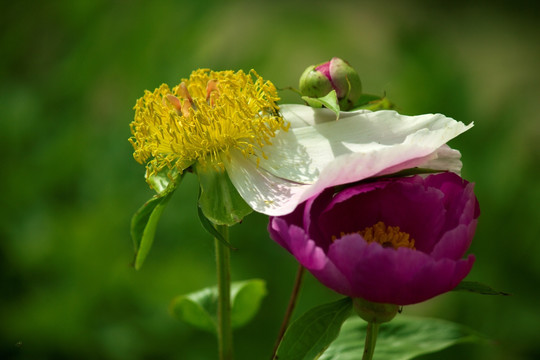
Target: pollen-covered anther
x=175, y=102
x=387, y=236
x=212, y=92
x=188, y=100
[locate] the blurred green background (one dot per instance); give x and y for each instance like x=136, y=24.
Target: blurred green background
x=70, y=74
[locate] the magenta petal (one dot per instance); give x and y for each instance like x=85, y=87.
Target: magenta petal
x=454, y=243
x=435, y=278
x=313, y=209
x=314, y=259
x=279, y=232
x=388, y=276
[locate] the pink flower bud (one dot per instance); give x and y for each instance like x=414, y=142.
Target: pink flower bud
x=336, y=74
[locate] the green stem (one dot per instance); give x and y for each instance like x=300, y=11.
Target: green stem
x=371, y=339
x=223, y=263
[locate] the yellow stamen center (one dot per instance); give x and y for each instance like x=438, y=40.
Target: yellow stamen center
x=204, y=118
x=387, y=236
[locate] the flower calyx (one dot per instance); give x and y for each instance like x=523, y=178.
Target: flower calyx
x=373, y=312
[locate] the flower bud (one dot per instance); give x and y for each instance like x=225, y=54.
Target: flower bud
x=336, y=74
x=374, y=312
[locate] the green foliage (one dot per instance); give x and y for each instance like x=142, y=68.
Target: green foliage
x=246, y=298
x=199, y=309
x=329, y=101
x=312, y=333
x=218, y=199
x=403, y=338
x=145, y=220
x=373, y=103
x=478, y=288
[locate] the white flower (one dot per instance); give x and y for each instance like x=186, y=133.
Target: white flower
x=275, y=156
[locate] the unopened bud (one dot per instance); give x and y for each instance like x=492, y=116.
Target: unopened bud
x=336, y=74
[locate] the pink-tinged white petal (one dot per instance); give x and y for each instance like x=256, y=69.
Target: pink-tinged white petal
x=319, y=152
x=263, y=191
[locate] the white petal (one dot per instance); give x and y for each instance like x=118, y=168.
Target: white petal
x=320, y=152
x=358, y=166
x=264, y=192
x=301, y=115
x=445, y=158
x=305, y=150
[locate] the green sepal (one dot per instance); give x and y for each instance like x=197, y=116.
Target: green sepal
x=345, y=103
x=209, y=227
x=144, y=221
x=199, y=309
x=409, y=172
x=478, y=288
x=373, y=103
x=311, y=334
x=400, y=339
x=329, y=101
x=219, y=200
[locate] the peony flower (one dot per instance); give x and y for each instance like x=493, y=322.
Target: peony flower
x=395, y=241
x=277, y=156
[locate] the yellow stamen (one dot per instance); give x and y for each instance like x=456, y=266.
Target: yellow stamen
x=204, y=118
x=387, y=236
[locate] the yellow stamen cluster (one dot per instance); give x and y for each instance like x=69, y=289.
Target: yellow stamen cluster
x=203, y=118
x=387, y=236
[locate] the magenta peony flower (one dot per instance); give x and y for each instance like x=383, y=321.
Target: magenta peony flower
x=398, y=241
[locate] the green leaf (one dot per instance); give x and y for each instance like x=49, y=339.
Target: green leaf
x=329, y=100
x=199, y=309
x=373, y=103
x=246, y=298
x=311, y=334
x=144, y=222
x=400, y=339
x=478, y=288
x=219, y=200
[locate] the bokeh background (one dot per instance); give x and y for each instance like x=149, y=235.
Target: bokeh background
x=70, y=72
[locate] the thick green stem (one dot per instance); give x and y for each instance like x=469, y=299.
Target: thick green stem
x=371, y=339
x=223, y=262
